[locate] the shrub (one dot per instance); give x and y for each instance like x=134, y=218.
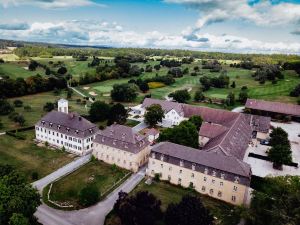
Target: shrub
x=27, y=108
x=18, y=103
x=89, y=195
x=34, y=175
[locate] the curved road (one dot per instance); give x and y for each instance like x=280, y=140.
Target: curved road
x=94, y=215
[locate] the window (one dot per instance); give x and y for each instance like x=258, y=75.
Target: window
x=181, y=163
x=206, y=171
x=233, y=198
x=219, y=194
x=191, y=185
x=180, y=171
x=211, y=191
x=221, y=183
x=162, y=165
x=203, y=188
x=204, y=179
x=212, y=181
x=162, y=157
x=235, y=188
x=169, y=177
x=179, y=181
x=236, y=179
x=153, y=155
x=153, y=162
x=193, y=166
x=214, y=173
x=222, y=175
x=193, y=175
x=152, y=172
x=170, y=168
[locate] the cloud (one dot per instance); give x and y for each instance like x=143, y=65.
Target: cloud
x=50, y=4
x=262, y=13
x=90, y=32
x=14, y=26
x=296, y=32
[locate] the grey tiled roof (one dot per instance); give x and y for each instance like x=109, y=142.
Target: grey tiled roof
x=71, y=124
x=276, y=107
x=122, y=137
x=211, y=130
x=165, y=105
x=173, y=153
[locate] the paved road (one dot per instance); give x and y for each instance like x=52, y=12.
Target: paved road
x=94, y=215
x=63, y=171
x=80, y=93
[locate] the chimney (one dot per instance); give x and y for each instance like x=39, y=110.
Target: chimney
x=63, y=106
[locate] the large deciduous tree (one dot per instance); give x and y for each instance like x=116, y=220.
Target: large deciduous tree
x=189, y=211
x=154, y=115
x=196, y=120
x=141, y=209
x=117, y=114
x=99, y=111
x=185, y=133
x=123, y=92
x=18, y=200
x=181, y=96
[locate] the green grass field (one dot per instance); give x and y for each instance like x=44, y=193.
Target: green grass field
x=37, y=102
x=27, y=157
x=14, y=70
x=98, y=173
x=167, y=193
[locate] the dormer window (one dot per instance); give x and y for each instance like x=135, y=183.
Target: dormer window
x=77, y=131
x=43, y=122
x=193, y=166
x=68, y=129
x=51, y=124
x=214, y=173
x=181, y=163
x=91, y=131
x=58, y=127
x=222, y=175
x=153, y=155
x=162, y=157
x=123, y=136
x=236, y=179
x=206, y=171
x=114, y=142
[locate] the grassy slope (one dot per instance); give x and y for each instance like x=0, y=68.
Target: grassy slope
x=14, y=70
x=28, y=158
x=98, y=173
x=37, y=102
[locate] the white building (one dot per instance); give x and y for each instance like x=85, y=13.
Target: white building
x=70, y=131
x=174, y=114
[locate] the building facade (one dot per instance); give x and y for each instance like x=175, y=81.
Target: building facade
x=122, y=146
x=222, y=177
x=65, y=130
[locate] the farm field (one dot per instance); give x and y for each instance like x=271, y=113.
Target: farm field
x=36, y=102
x=97, y=173
x=9, y=57
x=27, y=157
x=167, y=193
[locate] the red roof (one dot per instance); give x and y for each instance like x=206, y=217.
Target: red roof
x=276, y=107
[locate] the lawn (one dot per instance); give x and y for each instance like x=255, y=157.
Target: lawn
x=27, y=157
x=37, y=102
x=167, y=193
x=15, y=70
x=98, y=173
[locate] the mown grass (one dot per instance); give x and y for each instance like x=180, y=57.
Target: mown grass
x=36, y=102
x=224, y=213
x=97, y=173
x=14, y=70
x=27, y=157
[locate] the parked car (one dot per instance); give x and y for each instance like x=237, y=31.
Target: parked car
x=265, y=142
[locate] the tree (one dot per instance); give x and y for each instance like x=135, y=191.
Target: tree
x=141, y=209
x=144, y=87
x=189, y=211
x=99, y=111
x=196, y=120
x=243, y=96
x=18, y=103
x=62, y=70
x=69, y=93
x=233, y=85
x=276, y=202
x=118, y=114
x=18, y=219
x=205, y=82
x=49, y=106
x=199, y=96
x=280, y=152
x=181, y=96
x=89, y=195
x=18, y=200
x=20, y=119
x=5, y=107
x=154, y=115
x=230, y=100
x=185, y=133
x=123, y=92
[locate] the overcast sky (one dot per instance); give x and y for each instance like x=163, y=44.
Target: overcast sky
x=269, y=26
